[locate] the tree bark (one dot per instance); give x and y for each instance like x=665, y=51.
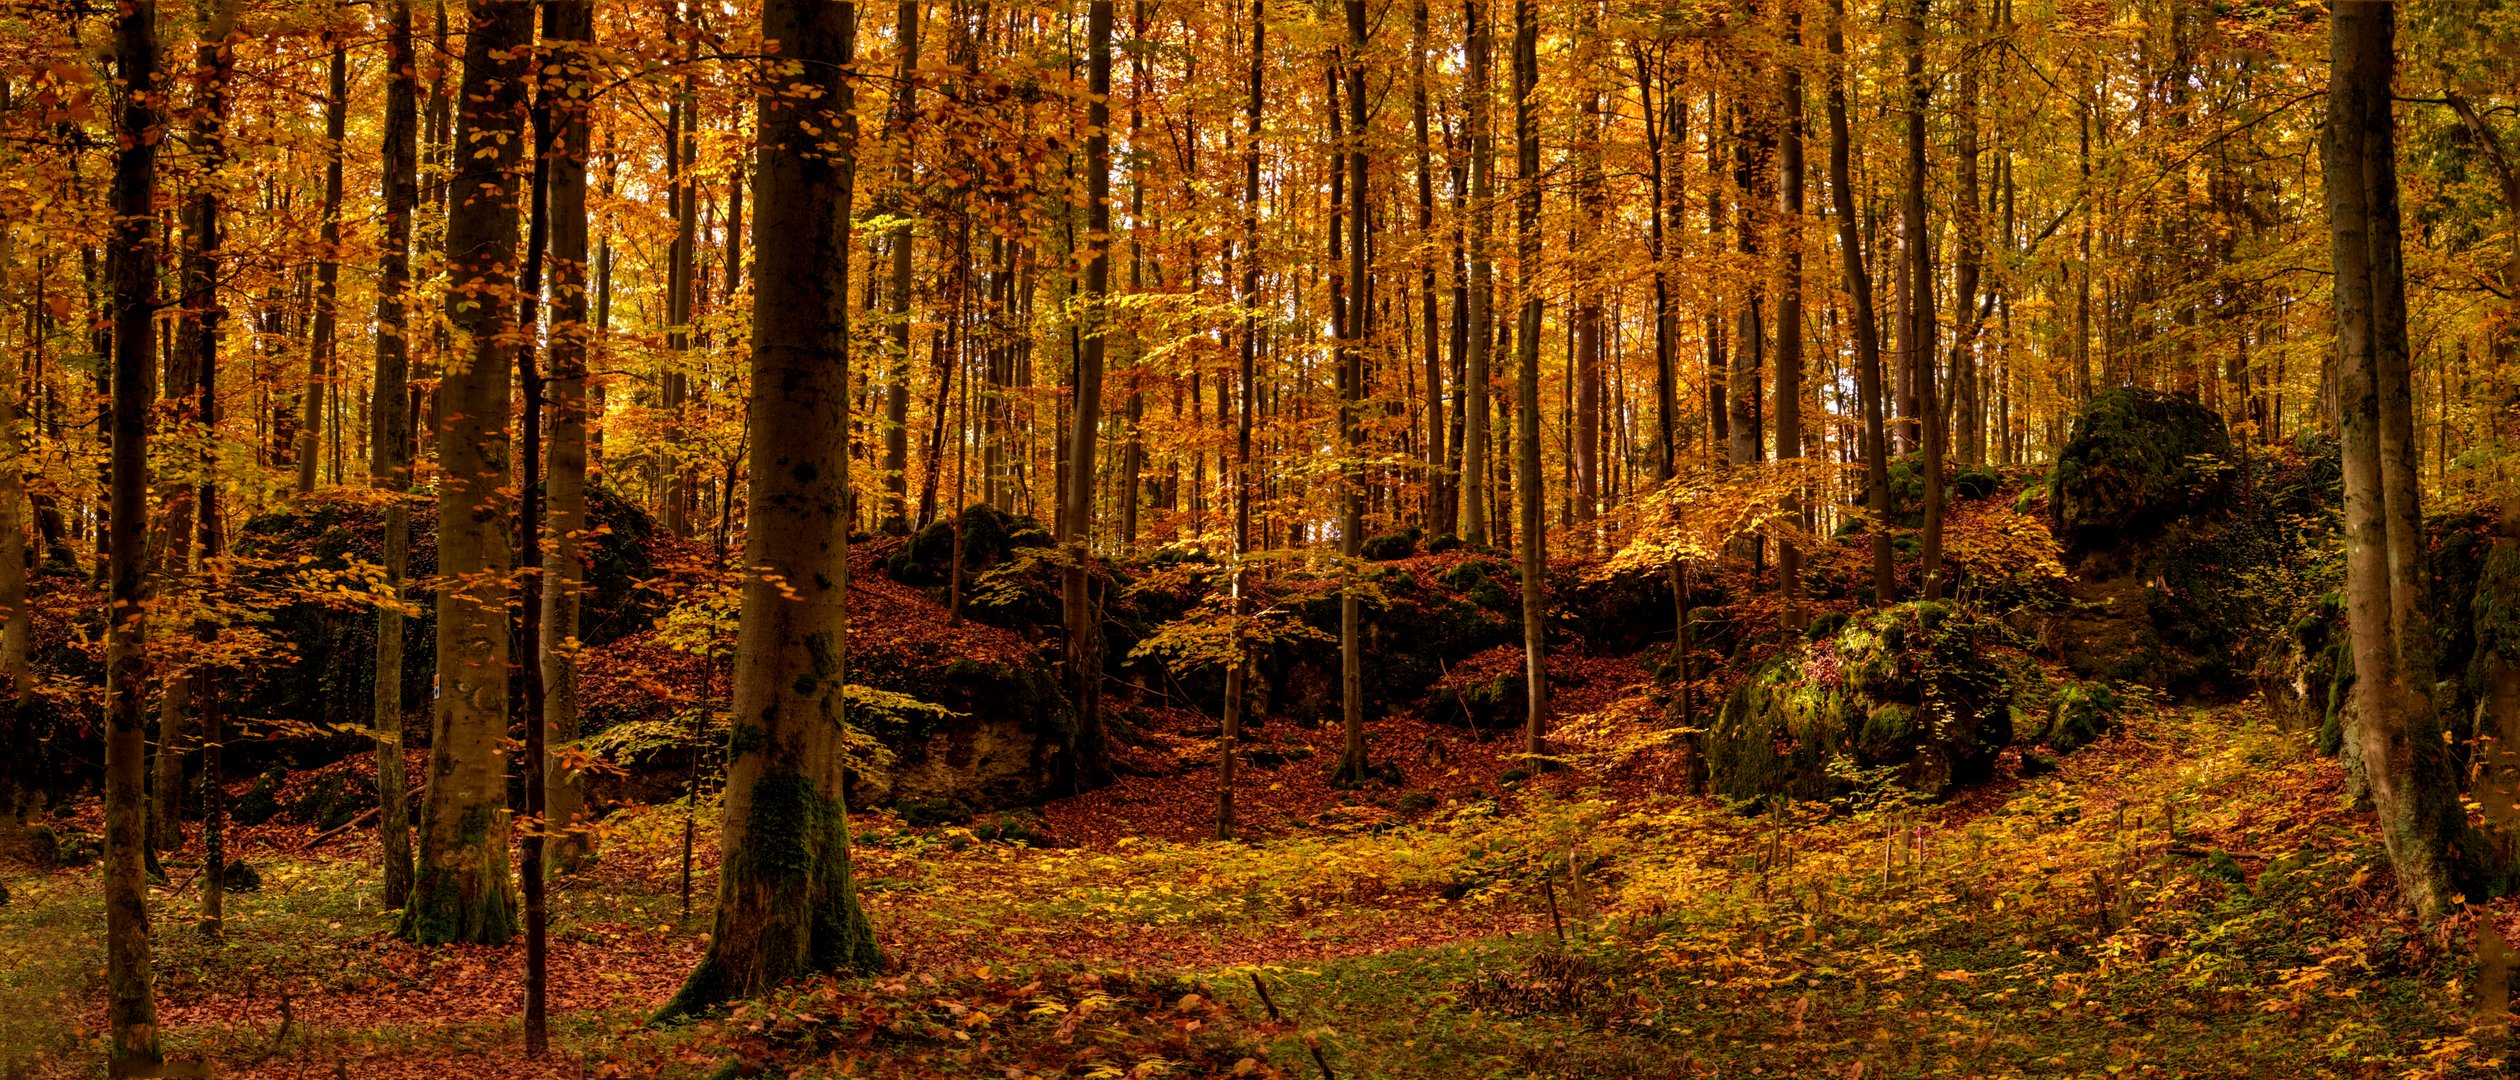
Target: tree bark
x=897, y=373
x=568, y=30
x=389, y=436
x=1076, y=521
x=787, y=900
x=2412, y=785
x=1789, y=314
x=1353, y=767
x=1247, y=325
x=319, y=362
x=1474, y=439
x=462, y=891
x=1916, y=344
x=1862, y=319
x=1535, y=560
x=131, y=1006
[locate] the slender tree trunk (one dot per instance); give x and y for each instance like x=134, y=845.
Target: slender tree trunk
x=1248, y=326
x=568, y=31
x=1474, y=439
x=787, y=900
x=462, y=891
x=1353, y=767
x=131, y=1006
x=1789, y=313
x=389, y=436
x=1862, y=318
x=1917, y=341
x=1535, y=560
x=1076, y=522
x=1438, y=515
x=319, y=363
x=897, y=372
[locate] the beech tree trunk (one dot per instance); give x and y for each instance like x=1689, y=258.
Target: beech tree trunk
x=2412, y=783
x=1076, y=521
x=1474, y=416
x=1916, y=345
x=389, y=435
x=568, y=30
x=1535, y=560
x=1789, y=315
x=319, y=362
x=1353, y=767
x=787, y=900
x=1248, y=325
x=1863, y=320
x=897, y=372
x=462, y=890
x=130, y=1001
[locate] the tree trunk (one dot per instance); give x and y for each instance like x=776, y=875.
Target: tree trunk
x=1535, y=561
x=787, y=900
x=131, y=1006
x=1789, y=314
x=1076, y=520
x=1862, y=319
x=1438, y=514
x=897, y=372
x=389, y=437
x=568, y=29
x=319, y=362
x=1248, y=325
x=2412, y=784
x=462, y=891
x=1474, y=439
x=1916, y=345
x=1353, y=767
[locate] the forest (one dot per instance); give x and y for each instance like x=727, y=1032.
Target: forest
x=1275, y=538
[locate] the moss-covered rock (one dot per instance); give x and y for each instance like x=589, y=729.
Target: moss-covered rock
x=1902, y=693
x=2137, y=460
x=261, y=802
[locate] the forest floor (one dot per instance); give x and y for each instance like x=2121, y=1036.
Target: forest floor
x=2193, y=896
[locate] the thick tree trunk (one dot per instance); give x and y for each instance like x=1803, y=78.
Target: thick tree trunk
x=1535, y=560
x=1863, y=321
x=389, y=436
x=787, y=901
x=130, y=1002
x=2412, y=785
x=462, y=891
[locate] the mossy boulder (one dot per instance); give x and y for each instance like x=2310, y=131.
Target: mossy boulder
x=2137, y=461
x=261, y=802
x=1390, y=546
x=990, y=537
x=1903, y=694
x=2080, y=713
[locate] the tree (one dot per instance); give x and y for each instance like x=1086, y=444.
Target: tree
x=1474, y=439
x=1247, y=327
x=390, y=413
x=319, y=370
x=1076, y=517
x=1861, y=316
x=131, y=1004
x=1917, y=334
x=462, y=890
x=787, y=901
x=1353, y=768
x=1535, y=559
x=2413, y=788
x=568, y=35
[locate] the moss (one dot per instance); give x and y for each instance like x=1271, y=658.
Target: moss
x=2081, y=713
x=2496, y=608
x=1389, y=546
x=261, y=802
x=799, y=899
x=2137, y=460
x=467, y=896
x=1906, y=689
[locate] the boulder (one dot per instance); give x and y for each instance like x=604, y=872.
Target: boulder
x=2138, y=461
x=1904, y=694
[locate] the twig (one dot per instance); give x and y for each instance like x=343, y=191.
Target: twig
x=355, y=822
x=1549, y=889
x=1310, y=1043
